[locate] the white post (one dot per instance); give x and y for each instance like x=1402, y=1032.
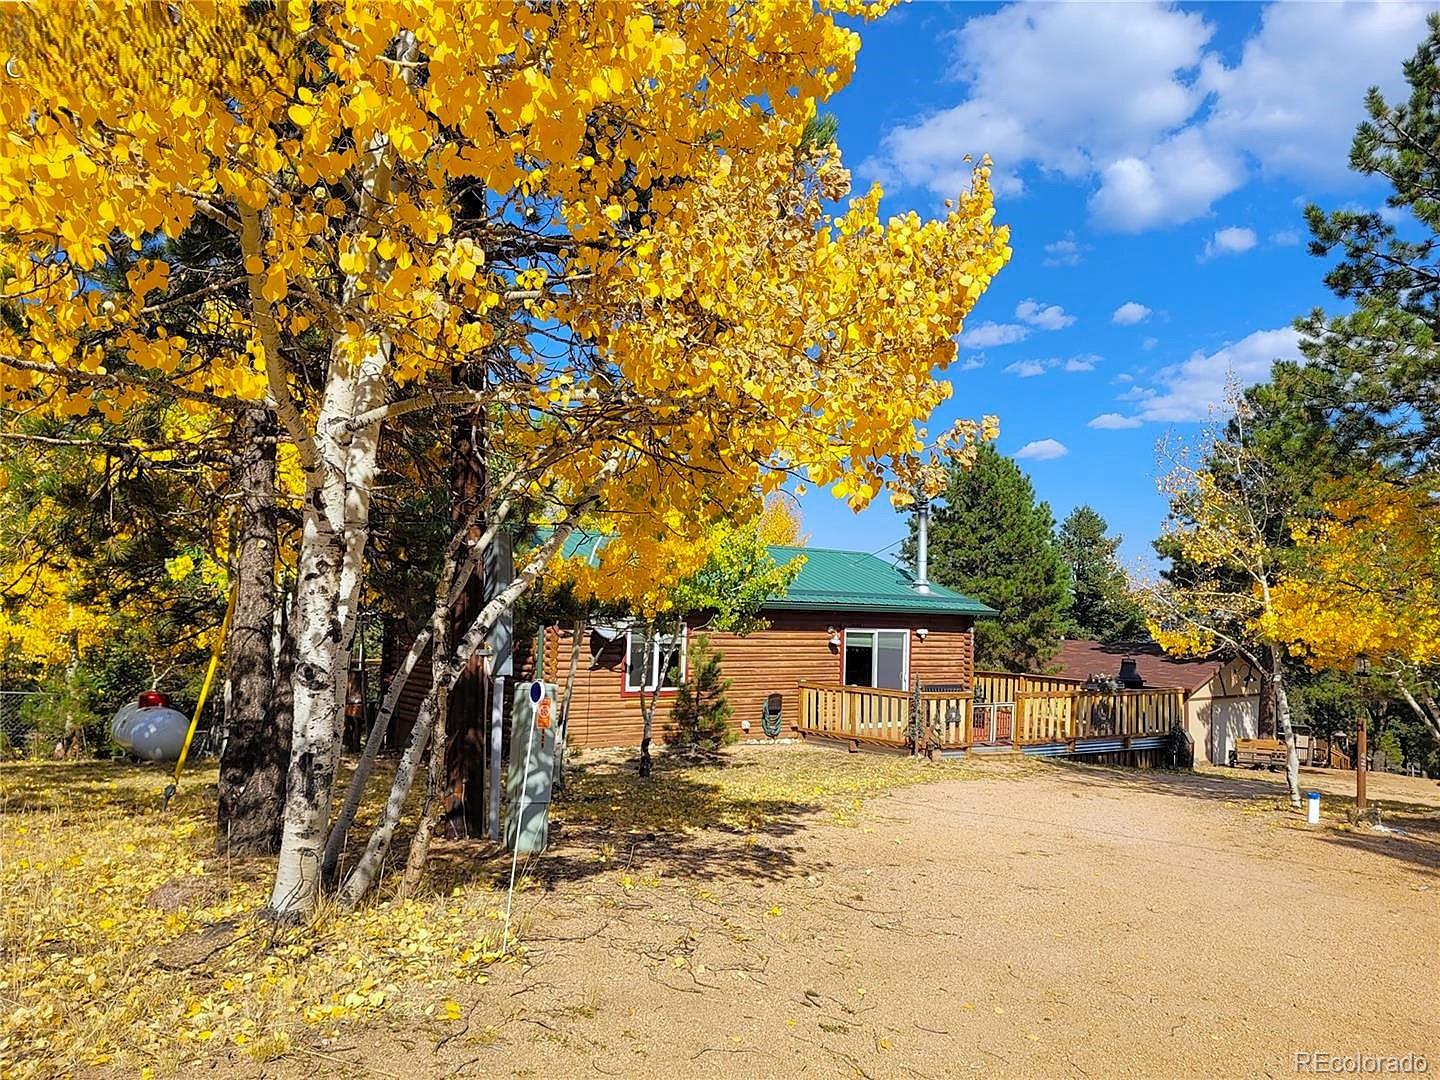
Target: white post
x=922, y=544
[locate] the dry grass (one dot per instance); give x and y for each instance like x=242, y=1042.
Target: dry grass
x=127, y=944
x=124, y=940
x=746, y=786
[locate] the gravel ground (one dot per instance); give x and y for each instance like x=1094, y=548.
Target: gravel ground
x=1066, y=921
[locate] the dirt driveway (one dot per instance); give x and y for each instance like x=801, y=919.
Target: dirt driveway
x=1075, y=921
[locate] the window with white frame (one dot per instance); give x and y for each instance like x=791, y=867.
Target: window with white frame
x=647, y=655
x=879, y=658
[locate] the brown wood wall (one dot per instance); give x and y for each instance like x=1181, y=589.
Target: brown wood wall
x=793, y=649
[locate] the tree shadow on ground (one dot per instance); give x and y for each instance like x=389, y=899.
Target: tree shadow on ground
x=1416, y=839
x=610, y=821
x=1240, y=787
x=1413, y=847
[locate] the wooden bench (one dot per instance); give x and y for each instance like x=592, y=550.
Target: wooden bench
x=1259, y=753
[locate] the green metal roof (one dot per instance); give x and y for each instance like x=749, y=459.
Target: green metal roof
x=579, y=544
x=833, y=580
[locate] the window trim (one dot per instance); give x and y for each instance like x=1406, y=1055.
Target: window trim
x=905, y=632
x=626, y=690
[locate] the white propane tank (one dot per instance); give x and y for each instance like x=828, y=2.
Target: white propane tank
x=123, y=722
x=148, y=728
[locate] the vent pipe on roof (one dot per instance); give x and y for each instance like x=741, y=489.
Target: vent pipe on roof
x=922, y=543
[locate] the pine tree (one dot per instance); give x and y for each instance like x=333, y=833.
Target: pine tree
x=1370, y=379
x=1101, y=604
x=990, y=539
x=1361, y=416
x=700, y=716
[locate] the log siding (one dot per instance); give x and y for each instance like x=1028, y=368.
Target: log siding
x=793, y=649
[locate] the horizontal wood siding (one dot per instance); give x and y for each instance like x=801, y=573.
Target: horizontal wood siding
x=795, y=648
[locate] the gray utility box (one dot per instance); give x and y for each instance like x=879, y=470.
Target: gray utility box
x=534, y=719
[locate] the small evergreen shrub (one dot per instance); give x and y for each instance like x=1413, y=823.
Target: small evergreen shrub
x=65, y=719
x=700, y=717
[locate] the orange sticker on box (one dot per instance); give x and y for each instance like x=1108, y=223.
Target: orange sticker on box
x=542, y=714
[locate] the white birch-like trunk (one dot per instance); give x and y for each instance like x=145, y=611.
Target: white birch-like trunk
x=327, y=589
x=1283, y=727
x=651, y=698
x=367, y=869
x=330, y=570
x=1423, y=707
x=340, y=831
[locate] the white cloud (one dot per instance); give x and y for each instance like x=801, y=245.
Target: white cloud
x=1114, y=421
x=971, y=363
x=1173, y=182
x=1228, y=241
x=1197, y=388
x=1066, y=252
x=1131, y=101
x=1028, y=369
x=1042, y=450
x=1149, y=343
x=1044, y=316
x=1294, y=98
x=1062, y=87
x=1130, y=313
x=989, y=334
x=1032, y=315
x=1285, y=238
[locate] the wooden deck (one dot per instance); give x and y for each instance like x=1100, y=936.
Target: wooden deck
x=1000, y=712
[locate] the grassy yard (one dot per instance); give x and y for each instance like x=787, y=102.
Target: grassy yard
x=125, y=941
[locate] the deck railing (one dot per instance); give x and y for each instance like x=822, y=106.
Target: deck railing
x=867, y=714
x=950, y=714
x=1083, y=714
x=861, y=713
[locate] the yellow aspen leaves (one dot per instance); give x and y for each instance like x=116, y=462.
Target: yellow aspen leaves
x=647, y=272
x=1366, y=579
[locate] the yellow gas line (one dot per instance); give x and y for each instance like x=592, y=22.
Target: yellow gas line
x=174, y=784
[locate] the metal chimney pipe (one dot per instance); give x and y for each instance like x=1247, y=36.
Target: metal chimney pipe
x=922, y=544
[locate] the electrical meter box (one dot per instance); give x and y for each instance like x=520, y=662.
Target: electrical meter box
x=530, y=773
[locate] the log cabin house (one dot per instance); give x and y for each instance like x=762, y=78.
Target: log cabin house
x=863, y=652
x=848, y=620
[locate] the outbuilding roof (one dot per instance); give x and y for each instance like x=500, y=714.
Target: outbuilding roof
x=1081, y=659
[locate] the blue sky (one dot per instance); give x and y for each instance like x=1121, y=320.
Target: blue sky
x=1152, y=162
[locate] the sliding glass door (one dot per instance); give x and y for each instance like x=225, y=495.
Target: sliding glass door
x=877, y=658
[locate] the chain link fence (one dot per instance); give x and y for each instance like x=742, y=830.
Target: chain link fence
x=15, y=728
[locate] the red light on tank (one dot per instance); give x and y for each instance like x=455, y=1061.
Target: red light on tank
x=152, y=699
